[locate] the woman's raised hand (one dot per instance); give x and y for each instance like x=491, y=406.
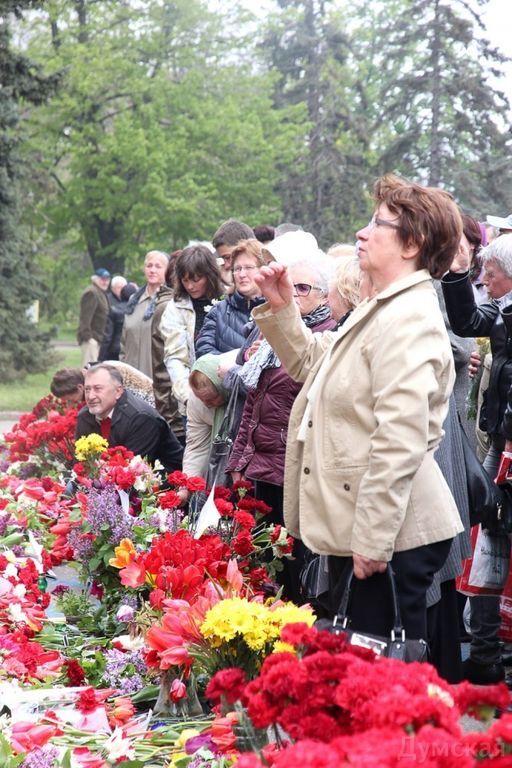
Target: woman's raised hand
x=275, y=285
x=462, y=260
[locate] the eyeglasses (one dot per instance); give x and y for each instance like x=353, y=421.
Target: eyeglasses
x=376, y=222
x=244, y=268
x=304, y=289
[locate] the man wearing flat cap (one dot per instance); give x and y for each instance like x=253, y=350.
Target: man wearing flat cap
x=94, y=308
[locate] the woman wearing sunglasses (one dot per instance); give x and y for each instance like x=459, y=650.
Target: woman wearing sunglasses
x=259, y=450
x=361, y=483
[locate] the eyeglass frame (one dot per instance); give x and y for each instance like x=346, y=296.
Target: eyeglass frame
x=311, y=288
x=376, y=221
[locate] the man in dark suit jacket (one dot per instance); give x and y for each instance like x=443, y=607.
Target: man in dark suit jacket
x=125, y=419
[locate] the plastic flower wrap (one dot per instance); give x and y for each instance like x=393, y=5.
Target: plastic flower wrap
x=484, y=347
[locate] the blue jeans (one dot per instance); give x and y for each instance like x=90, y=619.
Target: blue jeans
x=485, y=617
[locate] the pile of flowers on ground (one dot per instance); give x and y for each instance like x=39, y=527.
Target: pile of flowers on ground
x=138, y=631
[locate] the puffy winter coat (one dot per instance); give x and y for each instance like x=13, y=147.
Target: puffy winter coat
x=223, y=327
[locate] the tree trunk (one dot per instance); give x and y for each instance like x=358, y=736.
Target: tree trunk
x=435, y=137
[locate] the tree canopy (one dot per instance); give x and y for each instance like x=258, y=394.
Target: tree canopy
x=171, y=117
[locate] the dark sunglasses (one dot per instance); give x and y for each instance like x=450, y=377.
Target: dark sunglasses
x=304, y=289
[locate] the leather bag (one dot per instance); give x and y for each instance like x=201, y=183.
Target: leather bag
x=489, y=504
x=222, y=443
x=396, y=646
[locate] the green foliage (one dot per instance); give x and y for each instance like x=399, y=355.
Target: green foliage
x=432, y=113
x=170, y=117
x=157, y=134
x=22, y=347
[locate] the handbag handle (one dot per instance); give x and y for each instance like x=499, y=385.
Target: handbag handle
x=343, y=618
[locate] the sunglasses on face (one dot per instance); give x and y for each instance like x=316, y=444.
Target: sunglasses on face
x=304, y=289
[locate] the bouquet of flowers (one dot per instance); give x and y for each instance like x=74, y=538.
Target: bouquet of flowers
x=43, y=439
x=327, y=702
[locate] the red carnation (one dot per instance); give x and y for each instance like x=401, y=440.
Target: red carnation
x=244, y=519
x=228, y=684
x=195, y=484
x=221, y=492
x=177, y=478
x=87, y=701
x=243, y=485
x=169, y=500
x=74, y=672
x=224, y=508
x=242, y=543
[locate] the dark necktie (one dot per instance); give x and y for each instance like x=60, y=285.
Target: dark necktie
x=105, y=427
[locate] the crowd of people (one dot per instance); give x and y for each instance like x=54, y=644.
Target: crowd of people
x=339, y=381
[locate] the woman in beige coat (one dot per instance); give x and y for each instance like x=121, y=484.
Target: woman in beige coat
x=361, y=483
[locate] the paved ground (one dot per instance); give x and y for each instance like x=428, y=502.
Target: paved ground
x=7, y=420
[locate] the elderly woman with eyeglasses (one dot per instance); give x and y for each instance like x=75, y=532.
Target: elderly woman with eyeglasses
x=259, y=450
x=361, y=483
x=224, y=325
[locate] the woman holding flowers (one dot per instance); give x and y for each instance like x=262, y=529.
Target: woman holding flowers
x=361, y=483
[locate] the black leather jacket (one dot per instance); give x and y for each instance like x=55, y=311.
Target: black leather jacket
x=139, y=427
x=467, y=318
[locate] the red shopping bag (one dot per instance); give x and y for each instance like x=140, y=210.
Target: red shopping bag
x=463, y=581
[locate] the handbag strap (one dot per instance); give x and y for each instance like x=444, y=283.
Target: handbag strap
x=343, y=618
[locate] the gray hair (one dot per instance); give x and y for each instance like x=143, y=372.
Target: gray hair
x=114, y=373
x=320, y=265
x=347, y=279
x=163, y=254
x=499, y=251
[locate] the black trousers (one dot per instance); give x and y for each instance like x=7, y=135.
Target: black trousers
x=371, y=607
x=289, y=577
x=444, y=634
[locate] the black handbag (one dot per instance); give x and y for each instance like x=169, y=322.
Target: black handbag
x=222, y=443
x=489, y=504
x=396, y=646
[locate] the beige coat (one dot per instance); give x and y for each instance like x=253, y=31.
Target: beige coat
x=177, y=329
x=364, y=478
x=199, y=437
x=136, y=337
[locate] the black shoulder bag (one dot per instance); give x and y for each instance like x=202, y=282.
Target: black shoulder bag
x=396, y=646
x=489, y=504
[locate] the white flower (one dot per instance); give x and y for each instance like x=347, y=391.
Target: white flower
x=20, y=590
x=11, y=568
x=16, y=613
x=118, y=746
x=130, y=643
